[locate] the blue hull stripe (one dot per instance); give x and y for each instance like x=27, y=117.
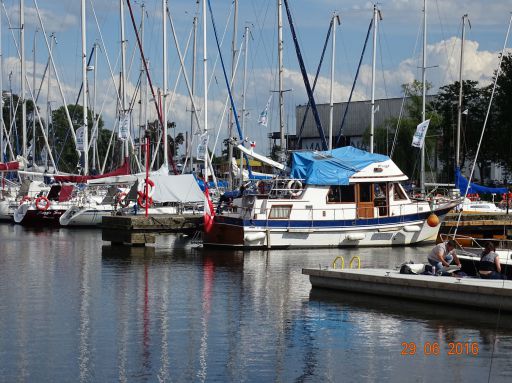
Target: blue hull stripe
x=284, y=223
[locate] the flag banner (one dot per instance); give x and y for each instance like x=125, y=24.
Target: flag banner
x=124, y=126
x=80, y=138
x=263, y=119
x=419, y=137
x=202, y=147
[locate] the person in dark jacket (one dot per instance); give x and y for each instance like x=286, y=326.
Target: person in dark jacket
x=490, y=266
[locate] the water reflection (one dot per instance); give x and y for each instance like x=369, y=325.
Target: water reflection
x=174, y=313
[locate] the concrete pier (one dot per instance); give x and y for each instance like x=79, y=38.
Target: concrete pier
x=139, y=230
x=488, y=294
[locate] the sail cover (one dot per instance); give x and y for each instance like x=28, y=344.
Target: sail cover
x=462, y=183
x=9, y=166
x=332, y=167
x=123, y=170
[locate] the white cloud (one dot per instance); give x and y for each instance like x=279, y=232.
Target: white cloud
x=53, y=21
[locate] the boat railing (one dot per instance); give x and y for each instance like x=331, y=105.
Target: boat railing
x=469, y=242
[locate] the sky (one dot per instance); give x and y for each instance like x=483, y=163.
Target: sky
x=399, y=51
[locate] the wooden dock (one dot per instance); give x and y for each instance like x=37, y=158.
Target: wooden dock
x=480, y=225
x=487, y=294
x=139, y=230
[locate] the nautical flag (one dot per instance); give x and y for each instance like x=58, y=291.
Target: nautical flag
x=263, y=119
x=202, y=147
x=466, y=111
x=124, y=126
x=419, y=137
x=209, y=211
x=80, y=138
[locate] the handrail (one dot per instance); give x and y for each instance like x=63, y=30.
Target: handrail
x=342, y=262
x=355, y=257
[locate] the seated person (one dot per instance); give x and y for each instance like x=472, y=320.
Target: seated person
x=442, y=255
x=490, y=266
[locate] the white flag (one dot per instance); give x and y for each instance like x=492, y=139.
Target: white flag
x=124, y=126
x=419, y=137
x=80, y=138
x=202, y=147
x=263, y=119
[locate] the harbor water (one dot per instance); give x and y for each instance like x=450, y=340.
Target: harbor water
x=74, y=309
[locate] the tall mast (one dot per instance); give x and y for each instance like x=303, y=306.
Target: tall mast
x=1, y=96
x=142, y=80
x=233, y=59
x=23, y=76
x=84, y=93
x=164, y=90
x=424, y=95
x=335, y=20
x=205, y=89
x=95, y=134
x=48, y=102
x=193, y=110
x=459, y=105
x=34, y=101
x=244, y=97
x=374, y=61
x=123, y=72
x=280, y=64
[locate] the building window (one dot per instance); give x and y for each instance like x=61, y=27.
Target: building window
x=280, y=212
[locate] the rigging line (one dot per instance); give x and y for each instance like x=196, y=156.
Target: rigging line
x=319, y=67
x=502, y=54
x=305, y=77
x=400, y=115
x=340, y=134
x=449, y=71
x=260, y=23
x=150, y=82
x=233, y=106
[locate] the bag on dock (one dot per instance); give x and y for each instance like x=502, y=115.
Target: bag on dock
x=412, y=268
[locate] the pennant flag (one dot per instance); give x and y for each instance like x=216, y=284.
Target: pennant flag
x=209, y=211
x=419, y=137
x=263, y=119
x=466, y=111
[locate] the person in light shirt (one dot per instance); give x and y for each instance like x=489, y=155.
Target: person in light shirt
x=442, y=255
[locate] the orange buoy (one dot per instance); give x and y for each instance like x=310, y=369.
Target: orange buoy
x=433, y=220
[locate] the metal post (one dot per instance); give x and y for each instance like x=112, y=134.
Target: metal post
x=459, y=105
x=424, y=95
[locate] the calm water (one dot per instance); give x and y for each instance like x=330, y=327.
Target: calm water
x=75, y=310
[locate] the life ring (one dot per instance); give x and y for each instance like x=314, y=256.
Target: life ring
x=295, y=185
x=141, y=200
x=260, y=185
x=42, y=203
x=25, y=199
x=122, y=200
x=142, y=187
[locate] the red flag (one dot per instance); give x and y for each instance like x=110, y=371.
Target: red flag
x=209, y=211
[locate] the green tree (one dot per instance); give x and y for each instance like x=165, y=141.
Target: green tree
x=503, y=111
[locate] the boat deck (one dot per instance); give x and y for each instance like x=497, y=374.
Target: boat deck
x=488, y=294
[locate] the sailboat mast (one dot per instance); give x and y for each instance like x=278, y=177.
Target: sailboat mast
x=142, y=81
x=335, y=20
x=374, y=62
x=205, y=90
x=123, y=72
x=1, y=97
x=84, y=93
x=459, y=105
x=424, y=94
x=280, y=64
x=193, y=109
x=164, y=88
x=95, y=134
x=233, y=59
x=244, y=97
x=23, y=75
x=34, y=101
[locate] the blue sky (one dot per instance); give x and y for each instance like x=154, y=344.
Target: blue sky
x=399, y=50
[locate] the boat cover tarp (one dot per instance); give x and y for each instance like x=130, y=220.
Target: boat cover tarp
x=462, y=183
x=123, y=170
x=176, y=188
x=332, y=167
x=211, y=184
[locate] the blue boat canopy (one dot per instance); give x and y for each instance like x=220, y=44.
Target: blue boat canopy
x=462, y=183
x=332, y=167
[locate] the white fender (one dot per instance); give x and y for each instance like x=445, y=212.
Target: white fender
x=253, y=237
x=356, y=236
x=412, y=228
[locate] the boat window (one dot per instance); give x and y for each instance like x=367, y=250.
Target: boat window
x=341, y=194
x=398, y=194
x=280, y=212
x=365, y=192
